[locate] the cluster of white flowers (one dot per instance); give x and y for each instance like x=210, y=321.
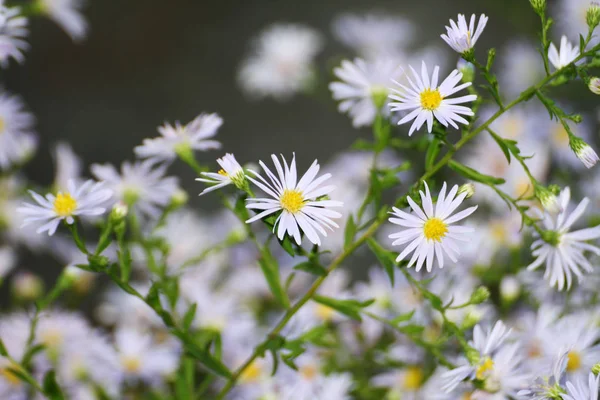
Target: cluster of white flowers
x=256, y=302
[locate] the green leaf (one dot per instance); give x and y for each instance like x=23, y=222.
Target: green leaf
x=205, y=358
x=350, y=308
x=362, y=144
x=385, y=257
x=3, y=351
x=51, y=388
x=312, y=268
x=287, y=245
x=189, y=316
x=270, y=269
x=411, y=329
x=471, y=174
x=402, y=318
x=349, y=232
x=152, y=298
x=503, y=146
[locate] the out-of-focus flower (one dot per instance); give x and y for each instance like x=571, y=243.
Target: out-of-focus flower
x=231, y=172
x=13, y=30
x=462, y=37
x=374, y=36
x=298, y=201
x=561, y=250
x=583, y=390
x=17, y=141
x=68, y=166
x=179, y=138
x=594, y=85
x=27, y=286
x=521, y=68
x=426, y=100
x=8, y=260
x=68, y=15
x=363, y=90
x=85, y=200
x=565, y=56
x=282, y=61
x=142, y=186
x=430, y=232
x=571, y=16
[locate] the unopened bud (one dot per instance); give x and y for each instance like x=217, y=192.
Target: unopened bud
x=583, y=151
x=379, y=95
x=510, y=288
x=467, y=188
x=480, y=295
x=592, y=15
x=548, y=199
x=179, y=198
x=596, y=369
x=472, y=318
x=551, y=237
x=119, y=211
x=594, y=85
x=539, y=6
x=27, y=286
x=467, y=69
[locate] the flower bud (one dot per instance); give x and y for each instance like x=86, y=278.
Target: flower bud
x=472, y=318
x=467, y=69
x=119, y=211
x=510, y=288
x=594, y=85
x=480, y=295
x=539, y=6
x=596, y=369
x=547, y=198
x=27, y=286
x=179, y=198
x=583, y=151
x=551, y=237
x=467, y=188
x=592, y=15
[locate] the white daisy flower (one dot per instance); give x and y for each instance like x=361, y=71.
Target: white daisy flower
x=282, y=62
x=364, y=88
x=144, y=358
x=561, y=250
x=487, y=344
x=231, y=172
x=462, y=37
x=85, y=200
x=298, y=201
x=565, y=56
x=13, y=30
x=17, y=140
x=175, y=138
x=571, y=17
x=582, y=390
x=373, y=35
x=68, y=15
x=139, y=185
x=426, y=99
x=431, y=232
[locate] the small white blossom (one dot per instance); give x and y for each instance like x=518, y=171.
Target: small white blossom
x=565, y=56
x=13, y=30
x=462, y=37
x=17, y=140
x=231, y=172
x=582, y=390
x=68, y=15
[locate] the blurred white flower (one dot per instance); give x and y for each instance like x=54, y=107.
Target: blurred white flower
x=583, y=390
x=68, y=15
x=374, y=35
x=562, y=250
x=8, y=259
x=426, y=100
x=142, y=186
x=68, y=166
x=17, y=141
x=13, y=30
x=430, y=232
x=85, y=200
x=462, y=37
x=14, y=331
x=180, y=138
x=521, y=68
x=363, y=90
x=571, y=18
x=565, y=56
x=298, y=201
x=281, y=63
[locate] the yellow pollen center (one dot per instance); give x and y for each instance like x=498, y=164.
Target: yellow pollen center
x=52, y=338
x=252, y=373
x=309, y=372
x=573, y=361
x=435, y=229
x=10, y=376
x=486, y=366
x=222, y=172
x=325, y=313
x=413, y=377
x=131, y=364
x=64, y=205
x=292, y=201
x=2, y=125
x=498, y=231
x=535, y=350
x=431, y=99
x=467, y=396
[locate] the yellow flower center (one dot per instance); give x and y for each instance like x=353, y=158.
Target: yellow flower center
x=131, y=364
x=325, y=313
x=309, y=372
x=467, y=396
x=573, y=361
x=413, y=377
x=498, y=231
x=222, y=172
x=485, y=367
x=431, y=99
x=435, y=229
x=52, y=338
x=64, y=205
x=252, y=373
x=292, y=201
